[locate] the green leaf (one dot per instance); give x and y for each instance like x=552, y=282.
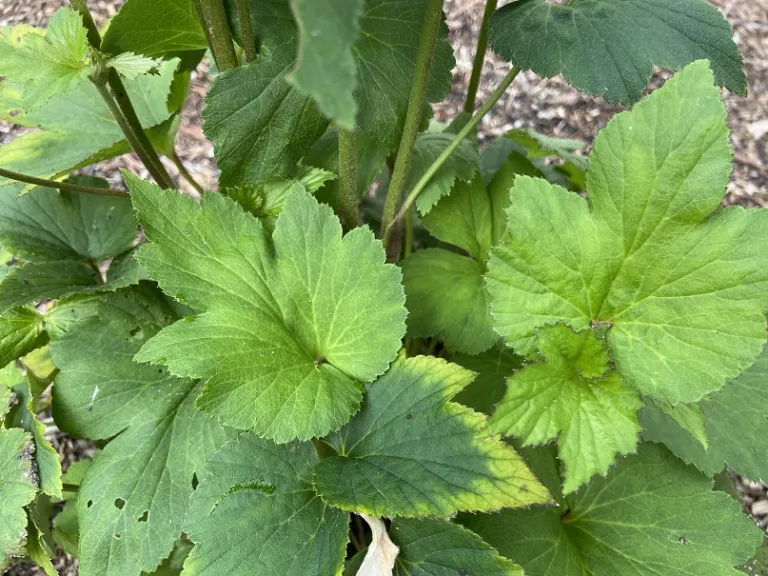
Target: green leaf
x=679, y=281
x=36, y=551
x=132, y=65
x=77, y=128
x=292, y=324
x=255, y=513
x=24, y=415
x=17, y=489
x=461, y=166
x=445, y=297
x=156, y=28
x=493, y=367
x=735, y=424
x=690, y=417
x=438, y=548
x=412, y=452
x=129, y=521
x=608, y=47
x=47, y=65
x=21, y=331
x=651, y=516
x=325, y=65
x=261, y=125
x=575, y=397
x=66, y=529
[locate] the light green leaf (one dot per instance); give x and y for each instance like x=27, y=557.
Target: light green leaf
x=130, y=521
x=735, y=424
x=17, y=489
x=255, y=513
x=325, y=65
x=680, y=282
x=292, y=325
x=608, y=47
x=156, y=28
x=76, y=128
x=537, y=145
x=35, y=549
x=47, y=65
x=445, y=297
x=24, y=415
x=575, y=397
x=651, y=516
x=21, y=331
x=132, y=65
x=461, y=166
x=492, y=367
x=412, y=452
x=66, y=529
x=690, y=417
x=438, y=548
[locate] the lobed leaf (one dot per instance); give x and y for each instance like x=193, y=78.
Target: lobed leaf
x=651, y=516
x=21, y=331
x=17, y=489
x=255, y=512
x=574, y=396
x=679, y=281
x=291, y=325
x=608, y=47
x=412, y=452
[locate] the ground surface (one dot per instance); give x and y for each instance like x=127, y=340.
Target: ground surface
x=550, y=106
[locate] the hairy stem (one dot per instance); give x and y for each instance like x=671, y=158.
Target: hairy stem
x=185, y=173
x=124, y=113
x=246, y=27
x=460, y=137
x=65, y=186
x=429, y=33
x=213, y=17
x=159, y=174
x=141, y=143
x=348, y=176
x=482, y=48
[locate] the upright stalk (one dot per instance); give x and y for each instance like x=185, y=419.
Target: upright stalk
x=213, y=17
x=246, y=30
x=429, y=33
x=185, y=173
x=460, y=137
x=482, y=48
x=348, y=178
x=120, y=105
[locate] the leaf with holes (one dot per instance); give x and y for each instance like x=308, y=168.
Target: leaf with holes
x=680, y=282
x=410, y=451
x=608, y=47
x=256, y=502
x=293, y=324
x=129, y=522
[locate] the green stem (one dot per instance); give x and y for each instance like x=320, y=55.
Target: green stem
x=185, y=173
x=124, y=113
x=348, y=176
x=246, y=30
x=460, y=137
x=408, y=233
x=65, y=186
x=432, y=20
x=482, y=48
x=160, y=176
x=213, y=17
x=94, y=36
x=141, y=143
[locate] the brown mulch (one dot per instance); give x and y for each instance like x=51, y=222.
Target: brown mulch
x=550, y=106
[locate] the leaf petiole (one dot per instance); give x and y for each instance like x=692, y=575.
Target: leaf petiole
x=64, y=186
